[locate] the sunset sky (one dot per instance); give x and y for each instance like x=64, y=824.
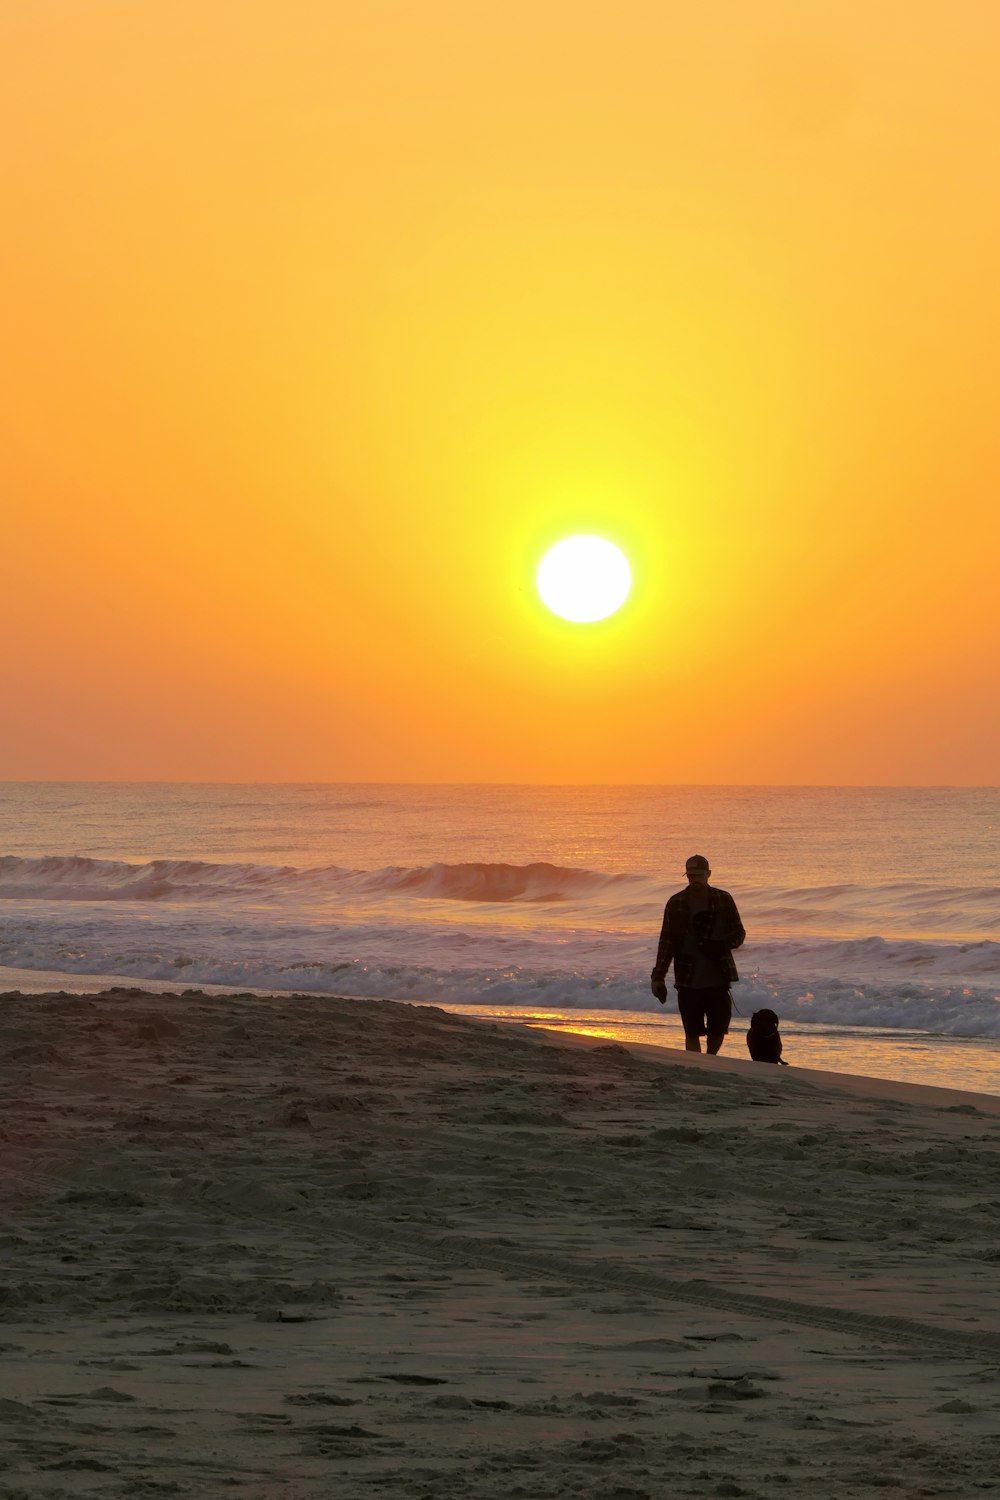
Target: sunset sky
x=324, y=318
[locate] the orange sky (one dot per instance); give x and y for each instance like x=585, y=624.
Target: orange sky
x=324, y=317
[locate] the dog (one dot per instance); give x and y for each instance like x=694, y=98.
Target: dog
x=763, y=1039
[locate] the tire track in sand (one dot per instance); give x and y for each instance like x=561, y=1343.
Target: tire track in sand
x=477, y=1254
x=484, y=1255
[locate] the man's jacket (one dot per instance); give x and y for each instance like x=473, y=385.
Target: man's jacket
x=676, y=926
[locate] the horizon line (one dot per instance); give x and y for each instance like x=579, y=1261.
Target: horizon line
x=927, y=786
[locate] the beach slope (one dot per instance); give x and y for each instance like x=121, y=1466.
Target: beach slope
x=301, y=1247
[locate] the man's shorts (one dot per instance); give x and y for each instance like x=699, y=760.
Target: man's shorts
x=705, y=1011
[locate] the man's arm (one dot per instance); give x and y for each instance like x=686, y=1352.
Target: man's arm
x=664, y=957
x=735, y=932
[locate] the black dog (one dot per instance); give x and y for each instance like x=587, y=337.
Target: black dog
x=763, y=1039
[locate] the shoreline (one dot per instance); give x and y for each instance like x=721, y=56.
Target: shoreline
x=927, y=1094
x=49, y=982
x=933, y=1095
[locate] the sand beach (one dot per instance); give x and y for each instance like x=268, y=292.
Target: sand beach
x=304, y=1247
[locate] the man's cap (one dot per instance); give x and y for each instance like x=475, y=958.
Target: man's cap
x=696, y=862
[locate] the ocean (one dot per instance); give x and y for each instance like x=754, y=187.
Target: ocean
x=871, y=912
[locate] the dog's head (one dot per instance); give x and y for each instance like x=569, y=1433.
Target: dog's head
x=764, y=1020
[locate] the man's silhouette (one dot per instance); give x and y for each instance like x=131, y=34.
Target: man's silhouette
x=701, y=927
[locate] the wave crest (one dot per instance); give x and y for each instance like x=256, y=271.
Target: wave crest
x=79, y=878
x=494, y=882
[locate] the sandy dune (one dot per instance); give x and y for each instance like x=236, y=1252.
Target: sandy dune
x=302, y=1248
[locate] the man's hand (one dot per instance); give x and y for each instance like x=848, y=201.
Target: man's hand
x=659, y=988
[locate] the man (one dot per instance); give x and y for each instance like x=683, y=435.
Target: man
x=701, y=927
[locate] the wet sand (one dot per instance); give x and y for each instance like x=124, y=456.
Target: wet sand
x=302, y=1247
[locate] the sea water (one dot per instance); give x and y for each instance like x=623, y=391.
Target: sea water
x=871, y=913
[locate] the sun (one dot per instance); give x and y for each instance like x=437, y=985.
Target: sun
x=583, y=578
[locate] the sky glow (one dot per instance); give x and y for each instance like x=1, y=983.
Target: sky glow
x=324, y=322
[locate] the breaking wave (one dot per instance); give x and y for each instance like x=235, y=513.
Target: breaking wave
x=913, y=908
x=910, y=955
x=76, y=878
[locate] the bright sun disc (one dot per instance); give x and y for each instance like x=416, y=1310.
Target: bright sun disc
x=583, y=578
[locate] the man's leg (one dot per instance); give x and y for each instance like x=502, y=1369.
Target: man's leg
x=719, y=1013
x=689, y=1004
